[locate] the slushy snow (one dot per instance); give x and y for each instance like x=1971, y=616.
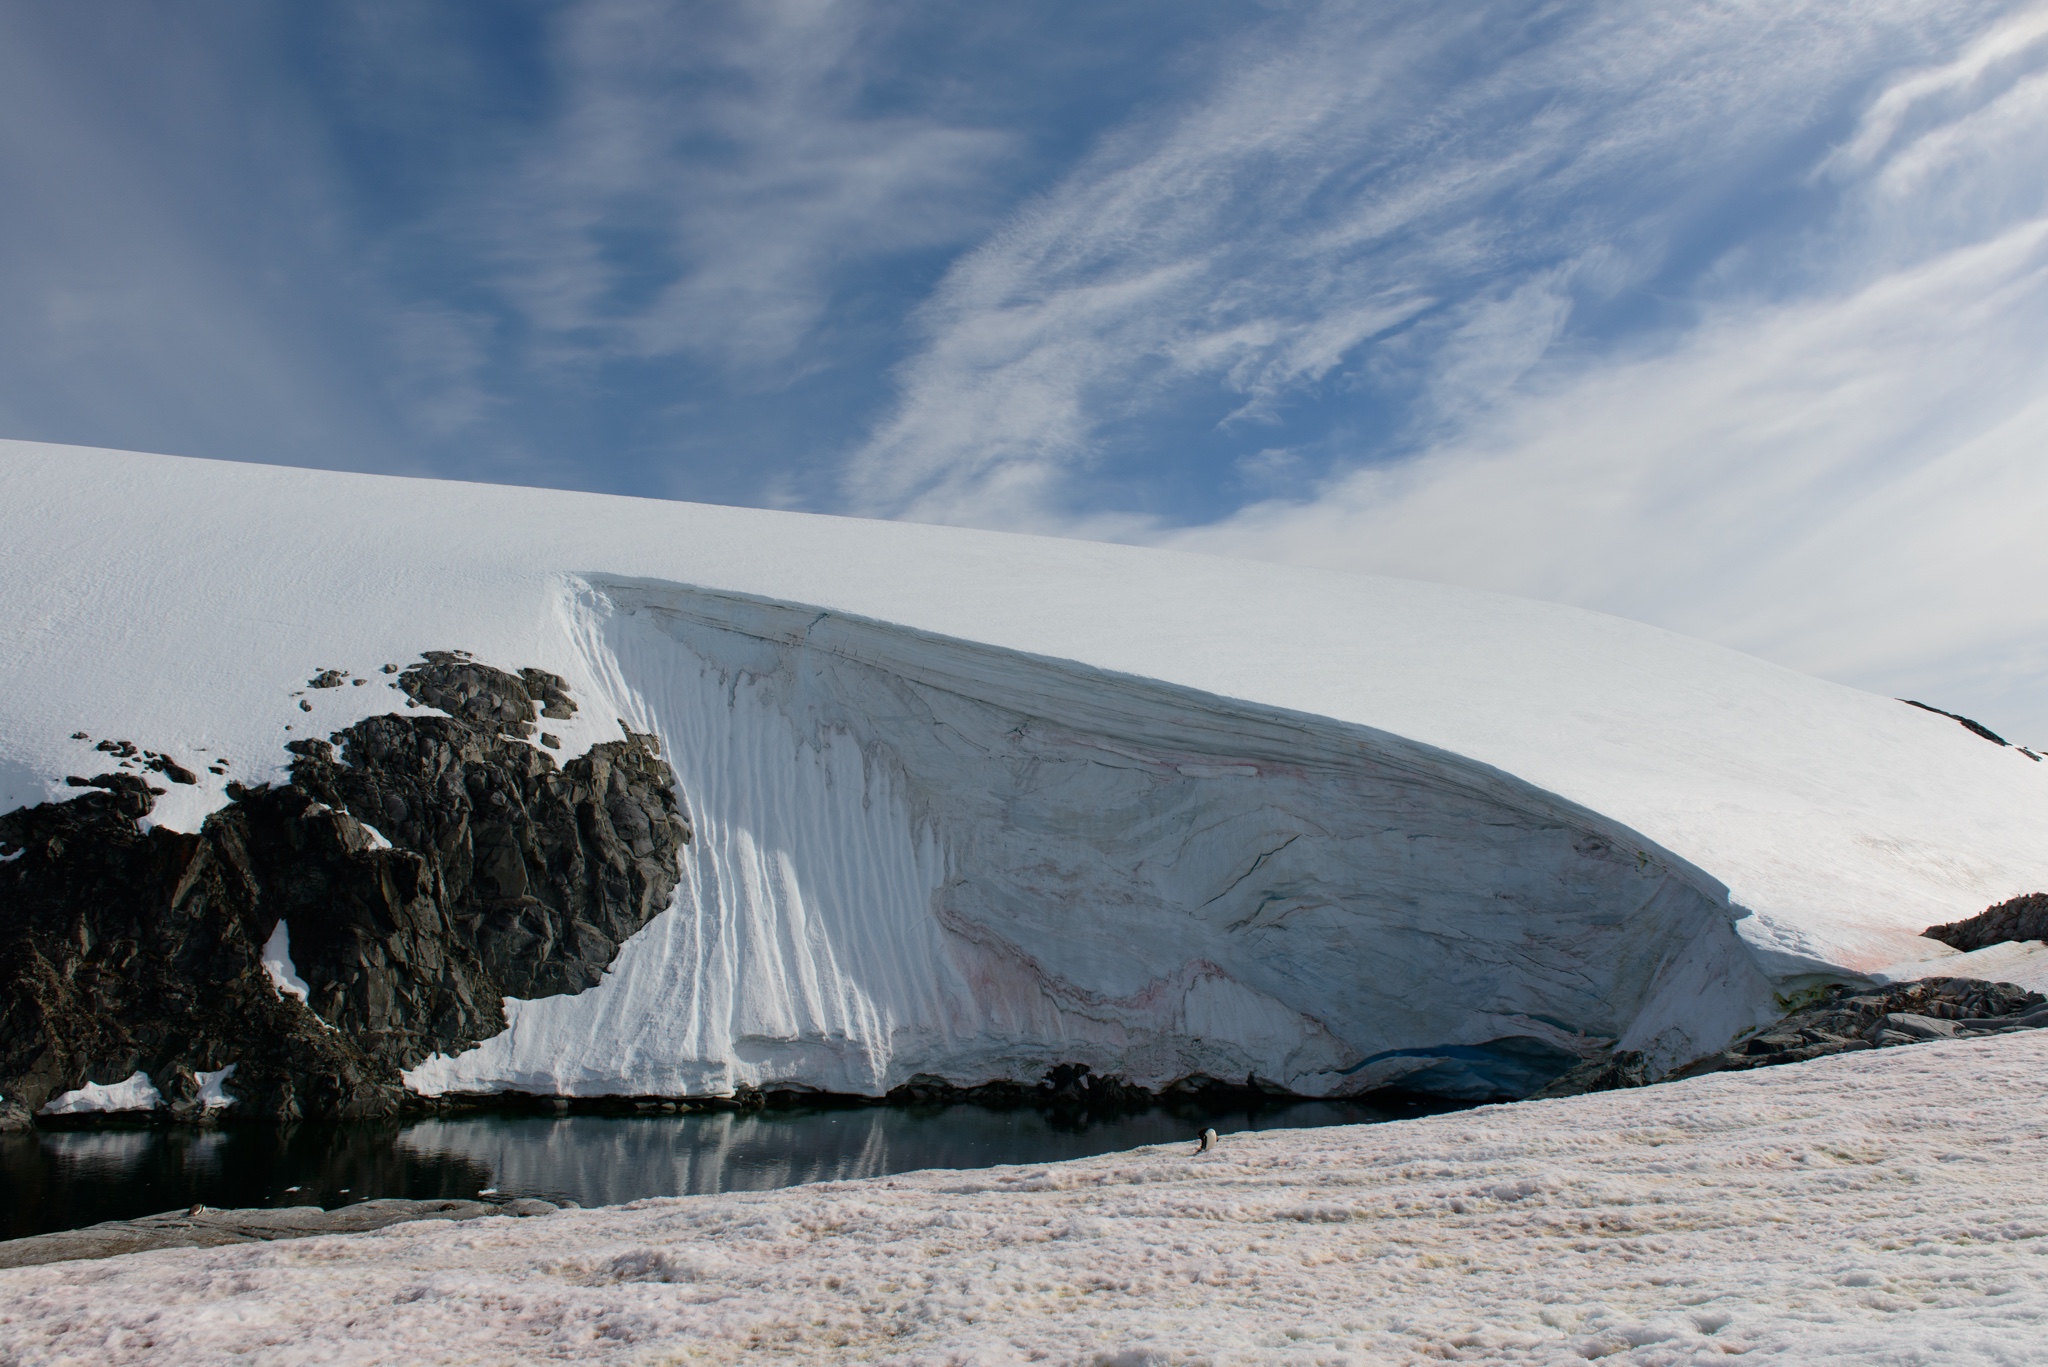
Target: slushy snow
x=1876, y=1208
x=971, y=804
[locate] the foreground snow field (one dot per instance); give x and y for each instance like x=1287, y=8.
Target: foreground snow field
x=1871, y=1208
x=974, y=805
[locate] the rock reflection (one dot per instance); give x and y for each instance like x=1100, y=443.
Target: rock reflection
x=64, y=1179
x=603, y=1160
x=100, y=1155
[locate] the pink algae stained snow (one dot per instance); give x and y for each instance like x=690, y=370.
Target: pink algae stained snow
x=1878, y=1207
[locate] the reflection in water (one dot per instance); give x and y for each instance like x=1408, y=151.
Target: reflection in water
x=607, y=1159
x=100, y=1155
x=205, y=1153
x=65, y=1179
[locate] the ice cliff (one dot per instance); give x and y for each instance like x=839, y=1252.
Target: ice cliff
x=969, y=805
x=923, y=855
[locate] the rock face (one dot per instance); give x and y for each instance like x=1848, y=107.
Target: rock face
x=1842, y=1020
x=2021, y=918
x=121, y=949
x=540, y=871
x=1975, y=728
x=432, y=867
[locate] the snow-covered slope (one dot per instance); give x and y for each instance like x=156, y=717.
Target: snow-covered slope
x=971, y=804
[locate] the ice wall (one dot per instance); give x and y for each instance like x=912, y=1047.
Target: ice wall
x=918, y=855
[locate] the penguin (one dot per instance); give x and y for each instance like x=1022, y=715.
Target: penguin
x=1207, y=1141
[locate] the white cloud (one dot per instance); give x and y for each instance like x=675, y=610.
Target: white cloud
x=1829, y=452
x=1853, y=482
x=710, y=176
x=1348, y=175
x=1979, y=61
x=1855, y=486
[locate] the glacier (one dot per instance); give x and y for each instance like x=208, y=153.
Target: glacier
x=921, y=855
x=970, y=805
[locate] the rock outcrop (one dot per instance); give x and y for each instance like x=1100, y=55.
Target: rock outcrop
x=430, y=868
x=1841, y=1020
x=2020, y=918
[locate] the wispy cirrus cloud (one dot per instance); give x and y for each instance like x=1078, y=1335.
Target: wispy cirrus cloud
x=1731, y=320
x=1370, y=202
x=1845, y=474
x=708, y=186
x=1722, y=316
x=1852, y=485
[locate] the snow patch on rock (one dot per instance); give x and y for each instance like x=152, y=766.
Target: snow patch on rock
x=133, y=1093
x=277, y=962
x=213, y=1094
x=2024, y=963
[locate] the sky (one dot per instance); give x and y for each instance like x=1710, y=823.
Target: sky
x=1728, y=316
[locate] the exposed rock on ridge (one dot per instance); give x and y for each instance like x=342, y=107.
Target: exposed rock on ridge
x=433, y=867
x=1841, y=1020
x=2020, y=918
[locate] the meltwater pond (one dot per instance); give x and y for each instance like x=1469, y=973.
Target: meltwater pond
x=62, y=1179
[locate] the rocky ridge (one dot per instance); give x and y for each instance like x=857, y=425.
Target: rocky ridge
x=426, y=869
x=1839, y=1020
x=2018, y=918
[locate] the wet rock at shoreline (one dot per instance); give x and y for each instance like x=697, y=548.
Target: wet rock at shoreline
x=1842, y=1020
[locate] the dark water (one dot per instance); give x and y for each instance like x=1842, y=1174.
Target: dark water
x=66, y=1178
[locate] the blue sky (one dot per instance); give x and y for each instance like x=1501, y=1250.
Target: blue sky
x=1728, y=317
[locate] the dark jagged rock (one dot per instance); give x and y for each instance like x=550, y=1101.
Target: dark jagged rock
x=2021, y=918
x=432, y=868
x=129, y=756
x=1842, y=1020
x=543, y=871
x=483, y=696
x=123, y=950
x=1845, y=1019
x=1610, y=1073
x=169, y=768
x=1076, y=1086
x=1066, y=1087
x=1975, y=728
